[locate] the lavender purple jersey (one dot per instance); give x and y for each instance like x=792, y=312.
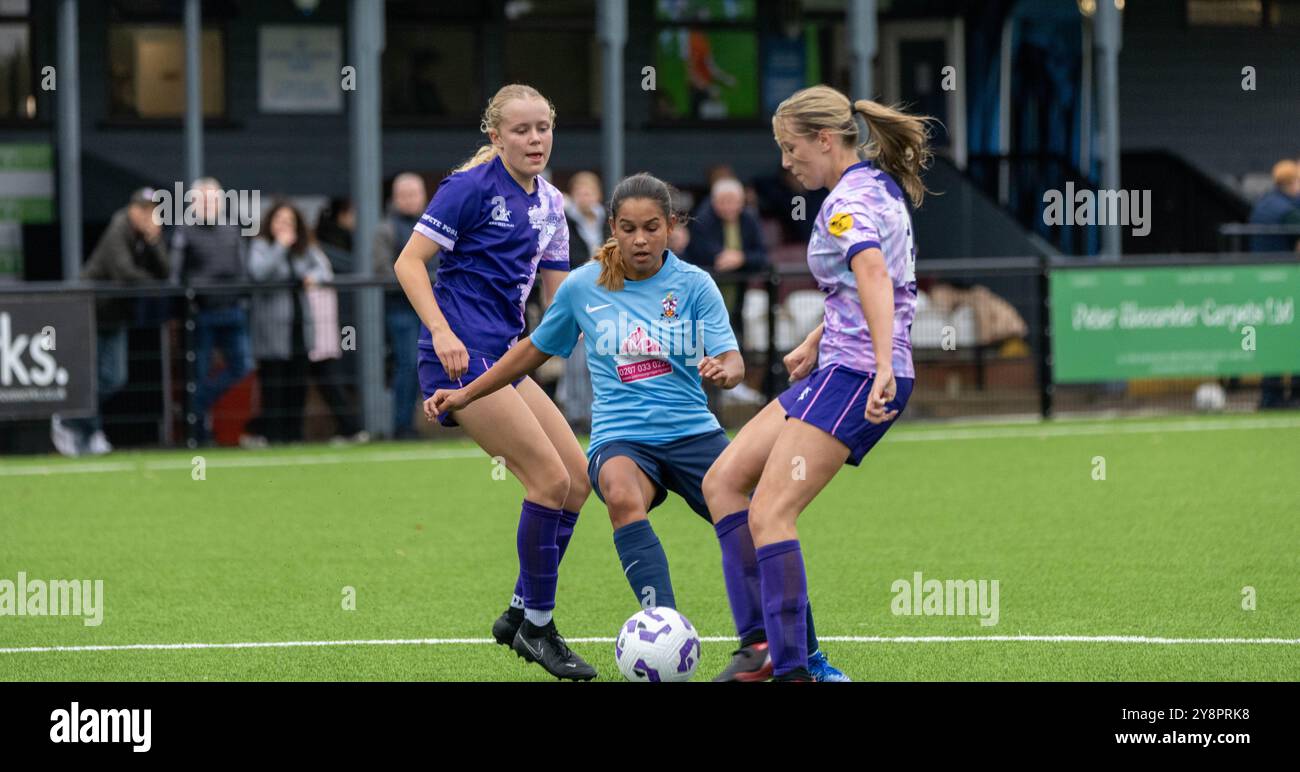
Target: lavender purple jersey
x=865, y=209
x=494, y=236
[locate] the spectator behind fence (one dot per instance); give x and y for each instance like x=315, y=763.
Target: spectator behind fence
x=588, y=227
x=726, y=238
x=338, y=222
x=588, y=230
x=295, y=332
x=213, y=251
x=400, y=319
x=778, y=196
x=131, y=250
x=1280, y=206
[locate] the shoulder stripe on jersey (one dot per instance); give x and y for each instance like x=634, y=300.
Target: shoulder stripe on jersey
x=437, y=237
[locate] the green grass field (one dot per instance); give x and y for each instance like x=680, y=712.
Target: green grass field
x=1192, y=510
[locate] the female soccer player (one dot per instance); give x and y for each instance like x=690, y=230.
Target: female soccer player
x=654, y=326
x=863, y=257
x=499, y=224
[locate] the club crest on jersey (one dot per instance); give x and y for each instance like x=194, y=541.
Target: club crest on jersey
x=500, y=214
x=670, y=307
x=839, y=223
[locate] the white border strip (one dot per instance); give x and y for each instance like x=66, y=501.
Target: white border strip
x=1129, y=639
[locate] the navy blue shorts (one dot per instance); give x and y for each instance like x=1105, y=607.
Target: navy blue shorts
x=434, y=377
x=835, y=401
x=678, y=466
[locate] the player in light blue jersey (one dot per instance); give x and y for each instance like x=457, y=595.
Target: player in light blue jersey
x=862, y=255
x=654, y=328
x=499, y=225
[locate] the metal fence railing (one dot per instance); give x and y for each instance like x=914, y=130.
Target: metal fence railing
x=982, y=338
x=1233, y=236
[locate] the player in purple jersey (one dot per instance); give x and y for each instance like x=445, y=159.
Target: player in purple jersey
x=851, y=377
x=498, y=225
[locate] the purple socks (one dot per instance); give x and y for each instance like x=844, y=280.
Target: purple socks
x=740, y=572
x=785, y=604
x=539, y=555
x=562, y=535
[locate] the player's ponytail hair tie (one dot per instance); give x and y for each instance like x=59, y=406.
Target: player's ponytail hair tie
x=897, y=141
x=612, y=271
x=643, y=185
x=491, y=120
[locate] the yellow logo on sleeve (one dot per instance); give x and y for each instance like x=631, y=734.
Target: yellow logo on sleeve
x=840, y=223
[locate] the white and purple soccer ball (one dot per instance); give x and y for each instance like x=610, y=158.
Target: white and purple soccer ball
x=657, y=644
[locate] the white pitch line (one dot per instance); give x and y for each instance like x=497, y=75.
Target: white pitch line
x=1130, y=639
x=1084, y=430
x=255, y=459
x=252, y=459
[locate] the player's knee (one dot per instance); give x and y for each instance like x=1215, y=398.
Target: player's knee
x=624, y=502
x=714, y=483
x=579, y=488
x=761, y=520
x=549, y=487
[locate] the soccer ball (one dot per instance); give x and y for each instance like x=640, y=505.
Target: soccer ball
x=1210, y=397
x=657, y=644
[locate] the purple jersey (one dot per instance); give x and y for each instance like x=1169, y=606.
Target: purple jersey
x=865, y=209
x=494, y=237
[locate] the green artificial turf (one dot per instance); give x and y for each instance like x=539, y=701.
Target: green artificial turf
x=1192, y=510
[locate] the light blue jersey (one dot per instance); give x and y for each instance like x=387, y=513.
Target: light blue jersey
x=644, y=343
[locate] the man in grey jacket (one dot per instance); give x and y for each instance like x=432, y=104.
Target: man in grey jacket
x=131, y=250
x=210, y=251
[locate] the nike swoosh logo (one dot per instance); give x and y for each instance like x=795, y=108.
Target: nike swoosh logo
x=593, y=309
x=537, y=652
x=629, y=567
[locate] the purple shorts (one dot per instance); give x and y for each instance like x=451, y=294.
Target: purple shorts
x=835, y=401
x=434, y=377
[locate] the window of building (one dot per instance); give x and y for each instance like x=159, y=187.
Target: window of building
x=432, y=71
x=146, y=58
x=17, y=78
x=1243, y=13
x=553, y=47
x=147, y=71
x=720, y=60
x=441, y=64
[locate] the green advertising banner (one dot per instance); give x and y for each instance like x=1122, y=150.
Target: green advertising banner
x=1120, y=323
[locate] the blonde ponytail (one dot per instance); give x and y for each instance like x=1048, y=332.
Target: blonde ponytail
x=492, y=120
x=485, y=154
x=898, y=143
x=612, y=271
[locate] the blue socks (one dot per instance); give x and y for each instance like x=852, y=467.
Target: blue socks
x=644, y=564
